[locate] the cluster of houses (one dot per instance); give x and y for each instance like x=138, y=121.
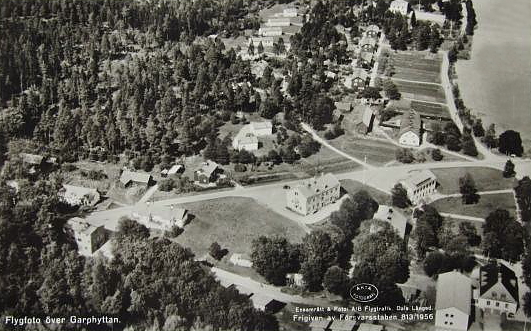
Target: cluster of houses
x=493, y=291
x=247, y=137
x=261, y=302
x=278, y=26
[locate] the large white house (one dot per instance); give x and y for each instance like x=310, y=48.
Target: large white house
x=313, y=194
x=420, y=185
x=400, y=7
x=453, y=302
x=281, y=21
x=245, y=140
x=88, y=238
x=160, y=216
x=498, y=291
x=410, y=129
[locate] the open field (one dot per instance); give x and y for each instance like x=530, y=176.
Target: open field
x=487, y=203
x=234, y=223
x=425, y=109
x=486, y=179
x=352, y=186
x=377, y=152
x=420, y=91
x=419, y=66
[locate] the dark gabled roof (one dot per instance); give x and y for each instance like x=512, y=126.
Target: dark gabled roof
x=489, y=276
x=410, y=122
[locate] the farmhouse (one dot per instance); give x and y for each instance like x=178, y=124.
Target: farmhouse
x=295, y=279
x=245, y=139
x=260, y=129
x=89, y=238
x=208, y=172
x=266, y=41
x=313, y=194
x=129, y=178
x=79, y=196
x=498, y=292
x=419, y=185
x=358, y=79
x=393, y=217
x=289, y=12
x=283, y=21
x=410, y=129
x=160, y=216
x=266, y=303
x=400, y=7
x=368, y=44
x=366, y=59
x=239, y=260
x=270, y=31
x=34, y=161
x=453, y=302
x=372, y=31
x=175, y=169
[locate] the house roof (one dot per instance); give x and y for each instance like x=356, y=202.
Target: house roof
x=394, y=217
x=343, y=325
x=208, y=167
x=261, y=125
x=454, y=290
x=418, y=177
x=360, y=73
x=79, y=225
x=320, y=324
x=369, y=327
x=278, y=20
x=368, y=115
x=410, y=121
x=490, y=275
x=399, y=5
x=175, y=168
x=163, y=211
x=137, y=177
x=346, y=106
x=373, y=27
x=260, y=300
x=367, y=56
x=270, y=28
x=31, y=158
x=366, y=40
x=313, y=186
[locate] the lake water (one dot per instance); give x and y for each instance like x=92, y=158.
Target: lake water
x=496, y=82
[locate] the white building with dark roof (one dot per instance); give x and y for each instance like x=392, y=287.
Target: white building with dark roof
x=290, y=12
x=420, y=185
x=160, y=216
x=498, y=291
x=400, y=7
x=313, y=194
x=245, y=140
x=410, y=129
x=453, y=302
x=281, y=21
x=135, y=178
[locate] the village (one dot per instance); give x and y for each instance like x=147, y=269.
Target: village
x=388, y=105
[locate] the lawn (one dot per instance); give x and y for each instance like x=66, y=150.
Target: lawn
x=234, y=223
x=487, y=203
x=378, y=152
x=486, y=179
x=352, y=186
x=420, y=91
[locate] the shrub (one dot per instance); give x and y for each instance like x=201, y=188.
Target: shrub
x=240, y=168
x=174, y=232
x=405, y=155
x=436, y=155
x=166, y=185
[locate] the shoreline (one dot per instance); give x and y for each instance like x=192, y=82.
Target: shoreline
x=499, y=64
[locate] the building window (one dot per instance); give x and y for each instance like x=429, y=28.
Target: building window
x=446, y=315
x=488, y=303
x=506, y=305
x=497, y=304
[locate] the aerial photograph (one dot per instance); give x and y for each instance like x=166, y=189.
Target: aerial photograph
x=265, y=165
